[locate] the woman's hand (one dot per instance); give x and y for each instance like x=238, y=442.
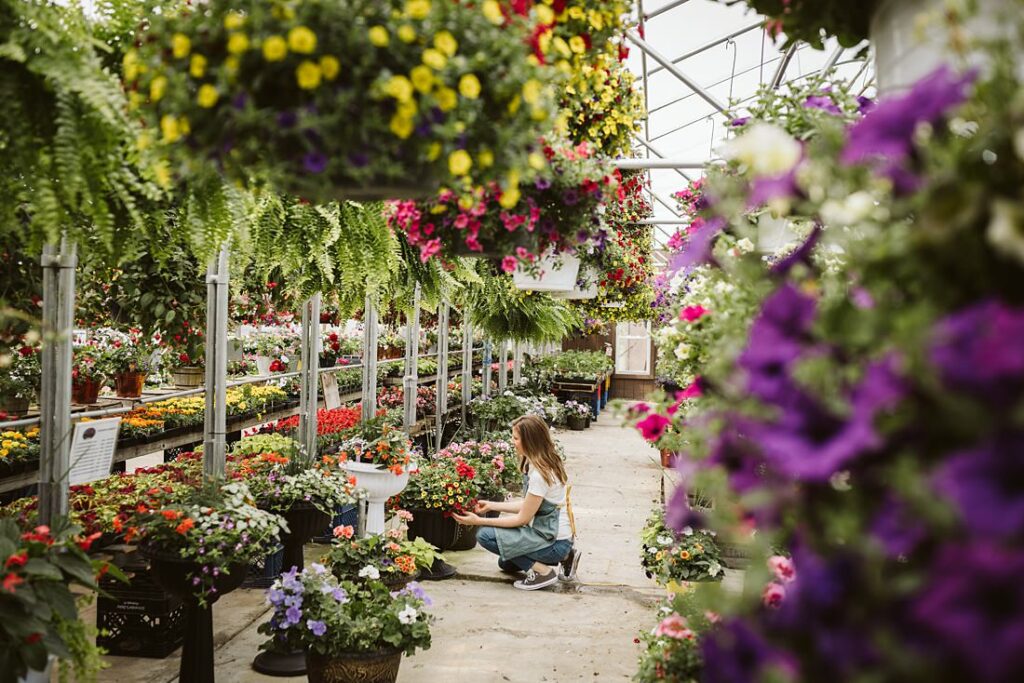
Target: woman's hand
x=469, y=519
x=483, y=507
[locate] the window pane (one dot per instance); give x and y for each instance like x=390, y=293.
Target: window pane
x=633, y=349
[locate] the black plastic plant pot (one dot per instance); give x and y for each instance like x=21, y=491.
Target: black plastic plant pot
x=174, y=575
x=304, y=522
x=443, y=532
x=576, y=423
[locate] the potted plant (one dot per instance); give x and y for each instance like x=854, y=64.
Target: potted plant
x=40, y=608
x=18, y=449
x=344, y=100
x=127, y=357
x=436, y=490
x=19, y=381
x=670, y=557
x=199, y=550
x=379, y=557
x=495, y=465
x=88, y=373
x=577, y=415
x=186, y=351
x=378, y=457
x=350, y=631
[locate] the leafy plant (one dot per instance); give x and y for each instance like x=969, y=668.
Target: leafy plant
x=445, y=484
x=392, y=557
x=669, y=556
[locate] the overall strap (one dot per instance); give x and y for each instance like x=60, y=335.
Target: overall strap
x=568, y=508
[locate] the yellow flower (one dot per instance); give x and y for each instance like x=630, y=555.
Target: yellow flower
x=545, y=15
x=575, y=12
x=401, y=126
x=446, y=43
x=539, y=114
x=531, y=91
x=399, y=87
x=234, y=21
x=3, y=453
x=459, y=162
x=171, y=128
x=162, y=174
x=157, y=88
x=231, y=64
x=207, y=96
x=301, y=40
x=446, y=99
x=433, y=152
x=180, y=45
x=417, y=9
x=492, y=10
x=406, y=33
x=330, y=66
x=544, y=42
x=238, y=43
x=561, y=46
x=469, y=86
x=486, y=158
x=379, y=36
x=282, y=12
x=197, y=66
x=143, y=142
x=537, y=161
x=130, y=65
x=422, y=78
x=274, y=49
x=596, y=20
x=577, y=44
x=510, y=198
x=434, y=58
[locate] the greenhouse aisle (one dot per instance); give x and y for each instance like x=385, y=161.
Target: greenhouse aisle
x=487, y=631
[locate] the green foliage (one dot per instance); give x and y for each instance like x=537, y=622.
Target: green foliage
x=501, y=311
x=812, y=21
x=669, y=556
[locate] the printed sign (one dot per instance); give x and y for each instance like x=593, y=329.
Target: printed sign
x=92, y=449
x=332, y=397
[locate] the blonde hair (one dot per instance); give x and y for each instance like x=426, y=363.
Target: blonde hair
x=539, y=449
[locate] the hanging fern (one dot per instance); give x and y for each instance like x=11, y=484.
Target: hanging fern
x=501, y=311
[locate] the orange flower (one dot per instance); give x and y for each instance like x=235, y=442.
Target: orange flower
x=684, y=554
x=170, y=515
x=185, y=525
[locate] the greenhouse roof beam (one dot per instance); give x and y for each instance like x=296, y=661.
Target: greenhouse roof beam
x=656, y=152
x=708, y=46
x=665, y=8
x=675, y=71
x=724, y=80
x=642, y=164
x=780, y=72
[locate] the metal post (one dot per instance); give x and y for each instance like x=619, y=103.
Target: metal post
x=503, y=368
x=780, y=72
x=488, y=359
x=442, y=370
x=55, y=392
x=467, y=363
x=369, y=360
x=215, y=419
x=517, y=364
x=412, y=356
x=309, y=379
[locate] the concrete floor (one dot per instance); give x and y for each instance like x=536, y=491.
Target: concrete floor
x=486, y=631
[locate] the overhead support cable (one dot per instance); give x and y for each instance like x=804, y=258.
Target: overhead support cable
x=675, y=71
x=708, y=46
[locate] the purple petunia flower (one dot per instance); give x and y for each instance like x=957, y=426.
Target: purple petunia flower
x=275, y=596
x=822, y=102
x=987, y=485
x=317, y=628
x=359, y=159
x=287, y=119
x=764, y=190
x=340, y=595
x=240, y=100
x=314, y=162
x=293, y=615
x=698, y=249
x=776, y=341
x=735, y=653
x=571, y=197
x=740, y=121
x=885, y=136
x=542, y=183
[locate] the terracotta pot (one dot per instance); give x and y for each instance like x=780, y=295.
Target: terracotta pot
x=188, y=377
x=667, y=457
x=86, y=391
x=129, y=384
x=362, y=667
x=14, y=407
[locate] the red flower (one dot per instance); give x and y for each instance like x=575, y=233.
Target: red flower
x=183, y=358
x=17, y=560
x=87, y=542
x=33, y=638
x=11, y=581
x=25, y=351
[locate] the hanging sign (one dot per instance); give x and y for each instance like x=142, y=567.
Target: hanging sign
x=332, y=398
x=92, y=450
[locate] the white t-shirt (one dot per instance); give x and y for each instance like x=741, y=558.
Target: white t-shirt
x=553, y=493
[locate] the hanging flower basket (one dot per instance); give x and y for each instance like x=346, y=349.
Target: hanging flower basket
x=585, y=287
x=557, y=274
x=342, y=99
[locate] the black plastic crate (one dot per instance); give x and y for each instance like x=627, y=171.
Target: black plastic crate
x=139, y=619
x=263, y=573
x=347, y=515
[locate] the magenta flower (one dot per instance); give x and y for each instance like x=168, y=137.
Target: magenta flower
x=773, y=595
x=692, y=313
x=653, y=426
x=783, y=568
x=509, y=263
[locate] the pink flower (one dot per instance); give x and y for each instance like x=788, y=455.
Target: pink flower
x=712, y=617
x=343, y=532
x=691, y=391
x=640, y=408
x=509, y=263
x=404, y=515
x=773, y=595
x=653, y=426
x=429, y=248
x=783, y=568
x=674, y=626
x=692, y=313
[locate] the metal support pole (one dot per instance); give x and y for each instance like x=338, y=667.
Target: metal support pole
x=780, y=72
x=517, y=364
x=488, y=359
x=442, y=370
x=675, y=71
x=369, y=360
x=309, y=379
x=655, y=151
x=467, y=363
x=662, y=10
x=708, y=46
x=410, y=382
x=503, y=367
x=635, y=164
x=55, y=393
x=215, y=419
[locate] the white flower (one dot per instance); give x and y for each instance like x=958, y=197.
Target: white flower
x=764, y=149
x=652, y=550
x=848, y=211
x=408, y=615
x=687, y=531
x=369, y=571
x=745, y=245
x=682, y=351
x=665, y=540
x=1006, y=229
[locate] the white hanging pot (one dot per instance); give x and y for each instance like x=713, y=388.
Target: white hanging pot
x=263, y=364
x=910, y=39
x=33, y=676
x=577, y=292
x=557, y=274
x=380, y=484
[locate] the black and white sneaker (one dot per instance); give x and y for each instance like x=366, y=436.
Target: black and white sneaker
x=569, y=565
x=535, y=581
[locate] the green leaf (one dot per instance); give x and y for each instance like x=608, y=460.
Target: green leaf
x=41, y=568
